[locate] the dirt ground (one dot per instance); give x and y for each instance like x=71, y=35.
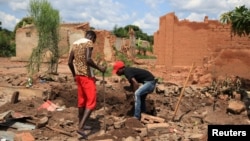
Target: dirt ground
x=112, y=118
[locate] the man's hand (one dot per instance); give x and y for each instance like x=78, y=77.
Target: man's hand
x=135, y=84
x=103, y=69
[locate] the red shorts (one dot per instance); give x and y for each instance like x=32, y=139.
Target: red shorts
x=86, y=90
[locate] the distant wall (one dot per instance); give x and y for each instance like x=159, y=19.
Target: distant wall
x=27, y=39
x=181, y=43
x=27, y=36
x=103, y=47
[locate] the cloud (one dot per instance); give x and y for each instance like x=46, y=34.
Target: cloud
x=195, y=9
x=8, y=21
x=19, y=5
x=105, y=14
x=154, y=3
x=146, y=23
x=196, y=17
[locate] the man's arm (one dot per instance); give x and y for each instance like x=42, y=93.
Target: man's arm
x=70, y=63
x=135, y=84
x=90, y=62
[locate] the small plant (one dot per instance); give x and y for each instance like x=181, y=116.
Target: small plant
x=160, y=79
x=145, y=57
x=107, y=73
x=122, y=57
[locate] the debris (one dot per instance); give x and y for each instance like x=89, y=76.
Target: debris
x=39, y=122
x=236, y=107
x=50, y=106
x=151, y=119
x=18, y=125
x=157, y=125
x=60, y=131
x=29, y=82
x=18, y=115
x=7, y=136
x=14, y=98
x=4, y=116
x=25, y=136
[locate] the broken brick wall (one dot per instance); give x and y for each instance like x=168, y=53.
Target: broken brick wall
x=27, y=38
x=69, y=32
x=103, y=47
x=209, y=43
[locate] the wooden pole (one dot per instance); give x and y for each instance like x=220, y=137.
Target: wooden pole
x=104, y=101
x=59, y=130
x=182, y=92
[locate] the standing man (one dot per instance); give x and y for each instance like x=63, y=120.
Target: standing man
x=81, y=64
x=136, y=76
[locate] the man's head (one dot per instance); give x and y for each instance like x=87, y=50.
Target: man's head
x=117, y=67
x=90, y=35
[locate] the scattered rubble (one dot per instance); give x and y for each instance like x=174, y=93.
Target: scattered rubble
x=46, y=110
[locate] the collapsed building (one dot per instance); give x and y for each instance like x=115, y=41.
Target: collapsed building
x=208, y=44
x=27, y=39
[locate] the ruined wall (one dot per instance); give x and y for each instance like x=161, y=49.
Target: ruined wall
x=25, y=36
x=27, y=39
x=181, y=43
x=104, y=45
x=69, y=32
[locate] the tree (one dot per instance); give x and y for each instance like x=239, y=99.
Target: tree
x=120, y=32
x=46, y=20
x=23, y=22
x=7, y=47
x=239, y=18
x=7, y=44
x=123, y=32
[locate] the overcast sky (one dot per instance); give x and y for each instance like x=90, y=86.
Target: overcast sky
x=106, y=14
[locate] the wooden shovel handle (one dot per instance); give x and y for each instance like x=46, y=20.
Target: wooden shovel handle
x=182, y=91
x=59, y=130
